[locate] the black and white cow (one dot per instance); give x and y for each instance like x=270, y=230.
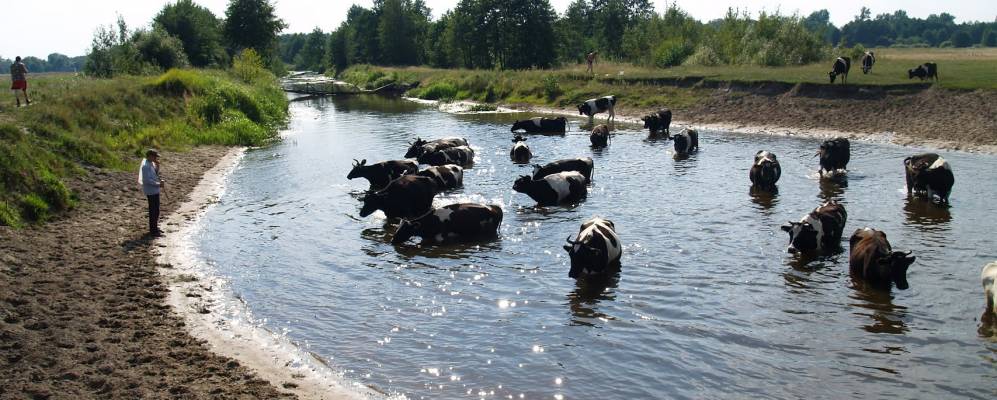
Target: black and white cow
x=819, y=230
x=868, y=59
x=460, y=155
x=599, y=136
x=455, y=222
x=924, y=71
x=929, y=174
x=603, y=104
x=420, y=147
x=765, y=172
x=686, y=142
x=520, y=153
x=446, y=177
x=871, y=259
x=380, y=174
x=582, y=165
x=840, y=67
x=988, y=276
x=660, y=121
x=406, y=197
x=595, y=251
x=553, y=189
x=541, y=125
x=834, y=156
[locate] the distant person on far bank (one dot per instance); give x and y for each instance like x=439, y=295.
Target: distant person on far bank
x=152, y=186
x=590, y=59
x=19, y=79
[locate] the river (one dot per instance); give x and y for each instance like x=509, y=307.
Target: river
x=708, y=303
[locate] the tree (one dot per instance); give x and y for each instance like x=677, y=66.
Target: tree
x=337, y=49
x=395, y=30
x=574, y=32
x=59, y=62
x=253, y=24
x=989, y=39
x=312, y=55
x=961, y=39
x=158, y=49
x=198, y=30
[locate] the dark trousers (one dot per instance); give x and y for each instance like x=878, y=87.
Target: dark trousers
x=153, y=212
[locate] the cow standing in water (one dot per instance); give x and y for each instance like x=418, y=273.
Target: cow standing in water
x=599, y=136
x=834, y=156
x=872, y=259
x=595, y=251
x=686, y=142
x=406, y=197
x=765, y=172
x=553, y=189
x=988, y=276
x=660, y=121
x=460, y=155
x=541, y=125
x=382, y=173
x=929, y=174
x=868, y=60
x=591, y=107
x=419, y=147
x=819, y=230
x=840, y=67
x=520, y=153
x=446, y=177
x=584, y=166
x=456, y=222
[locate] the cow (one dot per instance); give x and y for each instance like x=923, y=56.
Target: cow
x=553, y=189
x=819, y=230
x=460, y=155
x=406, y=197
x=988, y=275
x=765, y=172
x=834, y=155
x=929, y=174
x=382, y=173
x=686, y=142
x=926, y=70
x=658, y=122
x=446, y=177
x=871, y=259
x=520, y=153
x=868, y=59
x=541, y=125
x=840, y=67
x=599, y=136
x=582, y=165
x=595, y=251
x=591, y=107
x=456, y=222
x=420, y=147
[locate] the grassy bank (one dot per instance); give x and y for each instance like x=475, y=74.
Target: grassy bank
x=76, y=121
x=566, y=86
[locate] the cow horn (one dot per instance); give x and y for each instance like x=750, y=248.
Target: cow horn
x=908, y=253
x=355, y=162
x=570, y=241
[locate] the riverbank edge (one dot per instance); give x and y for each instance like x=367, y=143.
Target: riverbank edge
x=194, y=294
x=893, y=138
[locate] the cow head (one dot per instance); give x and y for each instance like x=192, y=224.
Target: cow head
x=584, y=109
x=522, y=183
x=518, y=138
x=518, y=125
x=897, y=264
x=650, y=121
x=802, y=236
x=372, y=202
x=405, y=231
x=582, y=255
x=414, y=148
x=832, y=75
x=357, y=170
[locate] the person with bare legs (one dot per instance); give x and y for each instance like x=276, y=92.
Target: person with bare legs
x=19, y=80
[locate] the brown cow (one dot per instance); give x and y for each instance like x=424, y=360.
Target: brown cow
x=871, y=259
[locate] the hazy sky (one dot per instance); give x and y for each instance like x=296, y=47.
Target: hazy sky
x=41, y=27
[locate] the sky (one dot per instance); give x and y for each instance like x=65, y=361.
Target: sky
x=67, y=26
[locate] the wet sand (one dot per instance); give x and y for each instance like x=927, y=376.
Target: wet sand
x=83, y=310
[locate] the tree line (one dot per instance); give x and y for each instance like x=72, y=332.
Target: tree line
x=55, y=62
x=518, y=34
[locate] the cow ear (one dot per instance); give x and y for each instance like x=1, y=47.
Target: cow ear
x=787, y=228
x=567, y=247
x=363, y=162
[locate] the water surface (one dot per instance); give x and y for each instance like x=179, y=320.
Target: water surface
x=708, y=304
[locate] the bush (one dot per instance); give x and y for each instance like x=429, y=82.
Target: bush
x=438, y=91
x=704, y=55
x=672, y=52
x=962, y=39
x=551, y=88
x=159, y=49
x=248, y=66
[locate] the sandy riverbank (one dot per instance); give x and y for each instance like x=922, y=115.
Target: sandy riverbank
x=84, y=313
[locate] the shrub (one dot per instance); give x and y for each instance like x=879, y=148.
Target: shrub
x=438, y=91
x=672, y=52
x=248, y=66
x=551, y=87
x=704, y=55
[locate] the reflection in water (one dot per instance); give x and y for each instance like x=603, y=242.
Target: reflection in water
x=988, y=325
x=763, y=196
x=683, y=162
x=886, y=317
x=833, y=188
x=925, y=213
x=584, y=300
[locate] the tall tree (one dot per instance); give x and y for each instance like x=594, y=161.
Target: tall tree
x=312, y=56
x=395, y=34
x=253, y=24
x=197, y=28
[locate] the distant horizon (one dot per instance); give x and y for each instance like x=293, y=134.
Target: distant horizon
x=74, y=26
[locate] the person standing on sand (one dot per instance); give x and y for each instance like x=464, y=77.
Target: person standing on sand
x=19, y=79
x=148, y=176
x=590, y=58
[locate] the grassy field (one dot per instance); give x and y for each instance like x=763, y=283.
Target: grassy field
x=958, y=69
x=76, y=121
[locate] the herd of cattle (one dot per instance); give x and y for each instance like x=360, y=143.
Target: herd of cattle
x=403, y=192
x=842, y=64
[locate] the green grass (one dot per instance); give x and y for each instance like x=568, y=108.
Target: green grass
x=77, y=121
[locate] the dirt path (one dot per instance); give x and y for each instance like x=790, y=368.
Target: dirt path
x=82, y=310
